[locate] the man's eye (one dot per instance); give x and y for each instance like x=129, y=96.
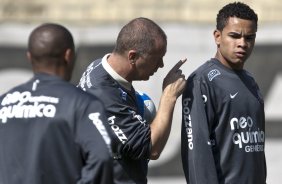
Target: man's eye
x=235, y=36
x=250, y=38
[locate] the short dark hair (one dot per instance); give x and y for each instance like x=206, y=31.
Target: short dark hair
x=49, y=40
x=139, y=34
x=235, y=9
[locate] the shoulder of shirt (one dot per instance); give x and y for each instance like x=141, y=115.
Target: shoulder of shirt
x=202, y=71
x=77, y=94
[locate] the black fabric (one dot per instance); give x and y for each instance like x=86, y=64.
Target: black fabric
x=223, y=127
x=131, y=140
x=51, y=132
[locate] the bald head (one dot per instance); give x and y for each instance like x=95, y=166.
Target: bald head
x=51, y=49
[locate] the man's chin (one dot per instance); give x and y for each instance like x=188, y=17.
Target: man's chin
x=147, y=78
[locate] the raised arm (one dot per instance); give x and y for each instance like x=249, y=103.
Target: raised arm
x=173, y=86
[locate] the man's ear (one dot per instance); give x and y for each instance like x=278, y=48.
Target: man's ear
x=132, y=56
x=217, y=37
x=68, y=55
x=28, y=55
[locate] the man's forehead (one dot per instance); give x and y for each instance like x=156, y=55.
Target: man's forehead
x=238, y=25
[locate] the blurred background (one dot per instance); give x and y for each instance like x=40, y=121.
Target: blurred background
x=189, y=25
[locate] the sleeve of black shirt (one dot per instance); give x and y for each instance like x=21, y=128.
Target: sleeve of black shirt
x=92, y=136
x=196, y=146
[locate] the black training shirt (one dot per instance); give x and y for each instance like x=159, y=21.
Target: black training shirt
x=132, y=135
x=52, y=132
x=223, y=127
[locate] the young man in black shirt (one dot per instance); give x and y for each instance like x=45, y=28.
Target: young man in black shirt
x=223, y=125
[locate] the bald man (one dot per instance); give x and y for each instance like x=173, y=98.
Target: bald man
x=50, y=131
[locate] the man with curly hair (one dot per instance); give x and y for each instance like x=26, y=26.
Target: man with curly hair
x=223, y=122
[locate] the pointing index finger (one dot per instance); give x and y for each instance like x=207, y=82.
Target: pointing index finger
x=179, y=64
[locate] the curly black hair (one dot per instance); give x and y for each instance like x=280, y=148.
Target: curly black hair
x=235, y=9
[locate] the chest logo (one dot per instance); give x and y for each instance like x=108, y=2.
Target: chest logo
x=213, y=73
x=233, y=95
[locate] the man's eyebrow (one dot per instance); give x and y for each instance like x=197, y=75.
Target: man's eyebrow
x=237, y=34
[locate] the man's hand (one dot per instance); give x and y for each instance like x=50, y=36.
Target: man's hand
x=174, y=82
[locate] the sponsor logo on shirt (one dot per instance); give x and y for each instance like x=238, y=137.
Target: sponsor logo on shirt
x=85, y=80
x=119, y=133
x=94, y=117
x=24, y=105
x=123, y=94
x=188, y=122
x=138, y=117
x=205, y=98
x=213, y=73
x=34, y=85
x=246, y=135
